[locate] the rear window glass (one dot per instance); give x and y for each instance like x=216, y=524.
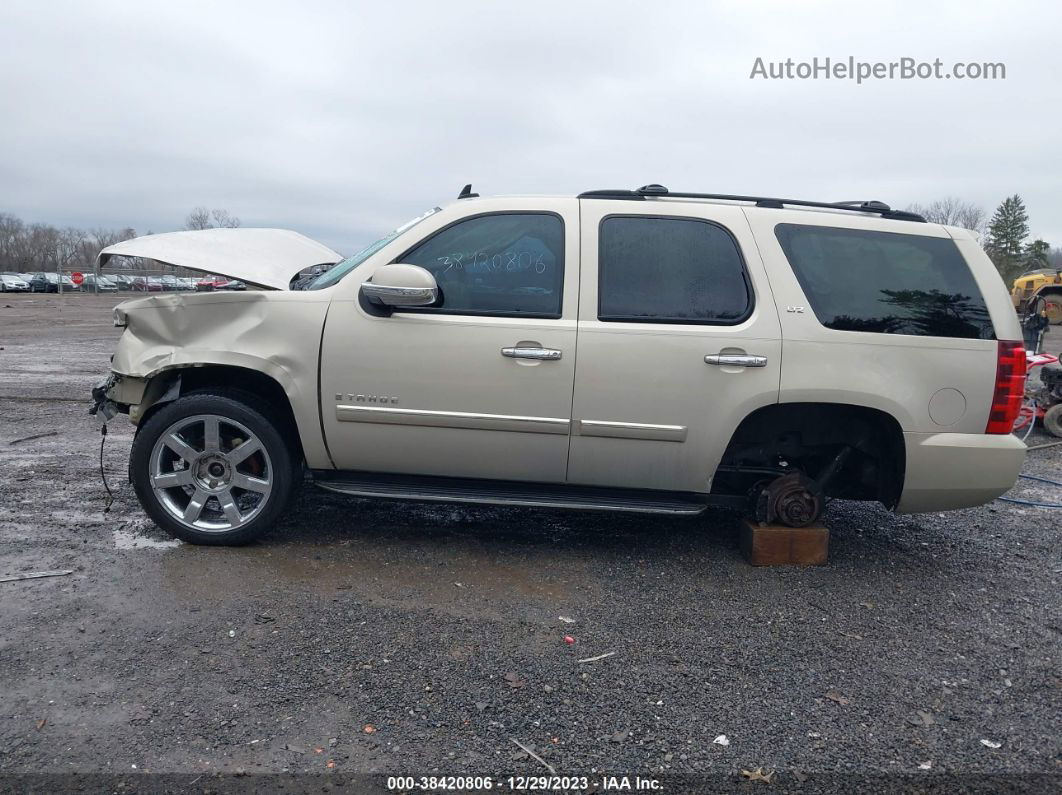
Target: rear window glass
x=860, y=280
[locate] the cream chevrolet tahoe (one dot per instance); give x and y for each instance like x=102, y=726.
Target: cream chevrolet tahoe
x=619, y=350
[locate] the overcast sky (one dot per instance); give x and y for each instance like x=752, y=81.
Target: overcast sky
x=341, y=120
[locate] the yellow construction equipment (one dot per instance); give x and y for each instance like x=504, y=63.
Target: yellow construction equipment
x=1031, y=286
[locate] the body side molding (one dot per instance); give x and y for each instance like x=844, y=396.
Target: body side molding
x=452, y=419
x=631, y=430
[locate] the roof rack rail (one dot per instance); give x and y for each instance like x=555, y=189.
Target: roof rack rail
x=655, y=191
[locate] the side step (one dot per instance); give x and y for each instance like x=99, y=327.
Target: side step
x=506, y=492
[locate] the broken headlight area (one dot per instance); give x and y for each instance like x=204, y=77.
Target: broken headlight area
x=102, y=406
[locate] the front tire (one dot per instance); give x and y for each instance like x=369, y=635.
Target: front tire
x=213, y=468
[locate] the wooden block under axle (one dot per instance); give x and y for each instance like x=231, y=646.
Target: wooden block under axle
x=775, y=545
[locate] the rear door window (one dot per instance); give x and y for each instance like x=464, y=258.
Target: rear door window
x=885, y=282
x=655, y=269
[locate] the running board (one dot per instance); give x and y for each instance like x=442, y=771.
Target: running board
x=504, y=492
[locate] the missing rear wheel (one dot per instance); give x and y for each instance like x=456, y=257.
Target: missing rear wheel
x=793, y=500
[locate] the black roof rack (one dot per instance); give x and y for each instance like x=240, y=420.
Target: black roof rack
x=653, y=191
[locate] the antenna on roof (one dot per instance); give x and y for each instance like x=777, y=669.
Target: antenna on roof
x=466, y=192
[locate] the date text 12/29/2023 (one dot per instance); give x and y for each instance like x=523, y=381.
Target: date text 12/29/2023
x=598, y=783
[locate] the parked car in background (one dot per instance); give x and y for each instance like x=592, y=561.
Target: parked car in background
x=146, y=284
x=104, y=284
x=25, y=277
x=208, y=283
x=13, y=283
x=48, y=282
x=170, y=282
x=124, y=281
x=234, y=284
x=44, y=283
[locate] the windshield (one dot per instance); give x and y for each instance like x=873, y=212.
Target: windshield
x=342, y=268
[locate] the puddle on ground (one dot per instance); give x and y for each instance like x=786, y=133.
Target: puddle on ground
x=127, y=539
x=448, y=575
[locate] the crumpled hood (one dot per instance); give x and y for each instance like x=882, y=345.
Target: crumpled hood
x=262, y=257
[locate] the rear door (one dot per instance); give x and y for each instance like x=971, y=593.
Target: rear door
x=678, y=342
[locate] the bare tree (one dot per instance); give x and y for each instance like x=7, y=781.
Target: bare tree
x=202, y=218
x=98, y=239
x=68, y=246
x=223, y=219
x=953, y=211
x=43, y=247
x=11, y=230
x=971, y=216
x=199, y=218
x=108, y=237
x=38, y=246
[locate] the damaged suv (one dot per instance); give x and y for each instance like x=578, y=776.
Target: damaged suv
x=633, y=350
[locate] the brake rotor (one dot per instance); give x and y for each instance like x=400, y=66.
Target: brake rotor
x=793, y=500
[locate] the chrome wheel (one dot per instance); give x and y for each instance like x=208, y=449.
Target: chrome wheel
x=210, y=473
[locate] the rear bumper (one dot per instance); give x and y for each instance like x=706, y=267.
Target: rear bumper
x=958, y=470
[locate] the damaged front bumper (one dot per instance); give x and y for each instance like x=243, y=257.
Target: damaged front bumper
x=103, y=407
x=126, y=394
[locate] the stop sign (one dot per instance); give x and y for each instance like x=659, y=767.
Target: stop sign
x=77, y=277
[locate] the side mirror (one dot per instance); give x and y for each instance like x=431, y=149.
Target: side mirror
x=401, y=285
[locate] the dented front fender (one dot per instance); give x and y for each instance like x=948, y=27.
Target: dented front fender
x=275, y=333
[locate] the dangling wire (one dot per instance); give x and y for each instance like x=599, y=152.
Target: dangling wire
x=1030, y=405
x=103, y=473
x=1033, y=503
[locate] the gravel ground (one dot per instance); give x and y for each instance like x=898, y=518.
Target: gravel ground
x=376, y=637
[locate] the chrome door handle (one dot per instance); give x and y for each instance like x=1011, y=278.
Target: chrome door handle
x=550, y=354
x=735, y=360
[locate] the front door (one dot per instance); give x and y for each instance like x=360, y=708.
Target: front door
x=479, y=386
x=678, y=342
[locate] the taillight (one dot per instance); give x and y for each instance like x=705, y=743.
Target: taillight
x=1010, y=387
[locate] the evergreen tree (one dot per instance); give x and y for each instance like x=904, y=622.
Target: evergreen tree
x=1006, y=237
x=1036, y=254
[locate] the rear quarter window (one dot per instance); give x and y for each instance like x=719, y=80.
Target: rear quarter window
x=885, y=282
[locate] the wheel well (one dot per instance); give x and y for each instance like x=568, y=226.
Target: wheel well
x=227, y=377
x=854, y=452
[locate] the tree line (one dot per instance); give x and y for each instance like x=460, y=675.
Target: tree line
x=1004, y=236
x=32, y=247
